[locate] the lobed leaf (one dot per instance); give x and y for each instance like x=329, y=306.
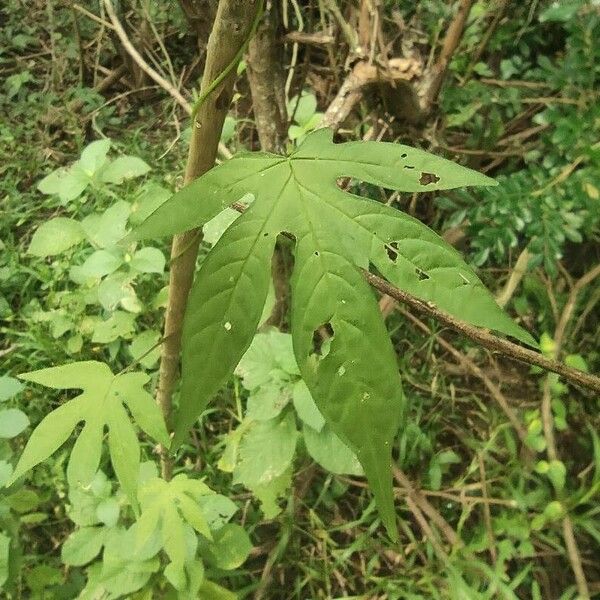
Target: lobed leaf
x=99, y=405
x=355, y=384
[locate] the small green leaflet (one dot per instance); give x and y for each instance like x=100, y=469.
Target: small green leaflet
x=169, y=509
x=356, y=385
x=93, y=167
x=100, y=404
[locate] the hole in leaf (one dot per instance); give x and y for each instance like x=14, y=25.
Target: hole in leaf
x=427, y=178
x=323, y=333
x=316, y=253
x=421, y=274
x=403, y=155
x=265, y=234
x=408, y=167
x=392, y=250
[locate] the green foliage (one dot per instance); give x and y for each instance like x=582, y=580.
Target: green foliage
x=103, y=306
x=303, y=111
x=526, y=113
x=260, y=452
x=92, y=169
x=355, y=385
x=100, y=405
x=551, y=201
x=12, y=420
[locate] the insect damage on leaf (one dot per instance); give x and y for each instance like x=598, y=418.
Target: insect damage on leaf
x=356, y=383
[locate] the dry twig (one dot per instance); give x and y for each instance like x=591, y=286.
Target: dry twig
x=139, y=59
x=485, y=339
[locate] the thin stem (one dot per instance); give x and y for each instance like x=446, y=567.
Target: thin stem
x=485, y=339
x=233, y=22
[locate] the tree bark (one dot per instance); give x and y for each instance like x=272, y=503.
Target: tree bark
x=233, y=23
x=267, y=80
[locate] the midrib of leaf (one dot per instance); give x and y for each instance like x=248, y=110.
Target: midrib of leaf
x=271, y=215
x=325, y=273
x=339, y=161
x=398, y=251
x=269, y=212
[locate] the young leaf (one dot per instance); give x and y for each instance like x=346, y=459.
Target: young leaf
x=82, y=546
x=93, y=156
x=66, y=183
x=107, y=228
x=12, y=422
x=148, y=260
x=123, y=571
x=55, y=236
x=230, y=548
x=100, y=404
x=145, y=349
x=266, y=451
x=356, y=386
x=170, y=507
x=9, y=387
x=100, y=263
x=122, y=168
x=328, y=450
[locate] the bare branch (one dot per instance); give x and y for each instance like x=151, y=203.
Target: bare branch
x=485, y=339
x=139, y=59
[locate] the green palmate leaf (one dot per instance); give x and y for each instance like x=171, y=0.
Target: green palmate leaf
x=355, y=384
x=169, y=509
x=99, y=405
